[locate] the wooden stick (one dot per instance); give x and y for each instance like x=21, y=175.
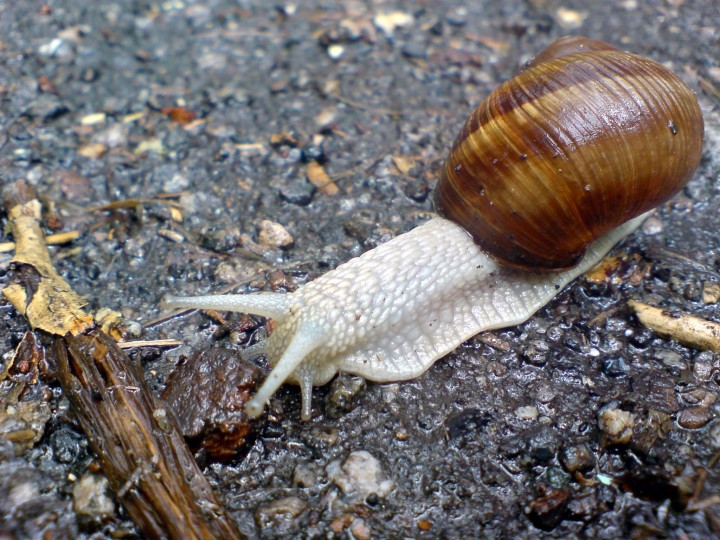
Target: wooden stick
x=134, y=436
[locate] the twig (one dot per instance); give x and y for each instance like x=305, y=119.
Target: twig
x=53, y=239
x=141, y=451
x=690, y=330
x=131, y=203
x=149, y=343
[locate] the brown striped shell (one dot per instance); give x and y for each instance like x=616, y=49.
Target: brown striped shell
x=583, y=139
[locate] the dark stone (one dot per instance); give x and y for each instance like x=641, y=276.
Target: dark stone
x=577, y=458
x=67, y=444
x=415, y=50
x=543, y=444
x=47, y=108
x=536, y=353
x=615, y=367
x=297, y=191
x=341, y=398
x=467, y=424
x=313, y=152
x=220, y=237
x=207, y=394
x=547, y=511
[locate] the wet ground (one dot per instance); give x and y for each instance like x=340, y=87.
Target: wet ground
x=225, y=110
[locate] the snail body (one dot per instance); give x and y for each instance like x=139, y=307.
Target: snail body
x=592, y=136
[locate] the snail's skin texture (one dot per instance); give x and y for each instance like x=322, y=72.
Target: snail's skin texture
x=389, y=314
x=549, y=172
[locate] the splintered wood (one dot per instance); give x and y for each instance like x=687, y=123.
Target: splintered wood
x=137, y=442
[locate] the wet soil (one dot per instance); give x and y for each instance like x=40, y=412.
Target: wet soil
x=216, y=109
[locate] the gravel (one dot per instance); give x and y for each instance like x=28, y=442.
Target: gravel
x=206, y=115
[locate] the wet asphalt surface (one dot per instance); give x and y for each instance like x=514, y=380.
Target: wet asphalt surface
x=224, y=104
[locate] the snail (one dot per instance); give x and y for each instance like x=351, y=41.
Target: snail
x=549, y=172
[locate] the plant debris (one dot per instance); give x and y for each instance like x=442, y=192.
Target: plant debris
x=141, y=450
x=689, y=330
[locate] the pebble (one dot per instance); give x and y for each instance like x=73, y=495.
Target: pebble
x=415, y=50
x=222, y=236
x=341, y=398
x=694, y=417
x=570, y=18
x=576, y=458
x=710, y=292
x=324, y=437
x=152, y=145
x=617, y=425
x=74, y=186
x=545, y=392
x=528, y=412
x=467, y=424
x=297, y=191
x=47, y=108
x=177, y=182
x=90, y=497
x=360, y=475
x=326, y=118
x=304, y=476
x=360, y=530
x=652, y=226
x=536, y=352
x=21, y=493
x=272, y=234
x=458, y=16
x=556, y=477
x=24, y=423
x=671, y=359
x=714, y=435
x=388, y=22
x=67, y=444
x=335, y=51
x=543, y=445
x=281, y=514
x=615, y=367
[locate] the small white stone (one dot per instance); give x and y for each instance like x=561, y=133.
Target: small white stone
x=304, y=476
x=90, y=497
x=389, y=21
x=570, y=18
x=22, y=493
x=652, y=226
x=528, y=412
x=271, y=234
x=617, y=425
x=335, y=51
x=360, y=475
x=51, y=47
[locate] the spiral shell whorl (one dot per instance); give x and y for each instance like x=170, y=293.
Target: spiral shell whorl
x=568, y=149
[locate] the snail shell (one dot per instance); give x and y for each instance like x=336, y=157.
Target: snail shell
x=574, y=145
